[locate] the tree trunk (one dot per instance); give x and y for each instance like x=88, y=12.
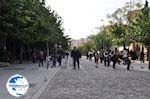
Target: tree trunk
x=47, y=48
x=124, y=46
x=5, y=50
x=148, y=56
x=21, y=55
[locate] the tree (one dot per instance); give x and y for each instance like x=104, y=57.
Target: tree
x=87, y=47
x=27, y=25
x=102, y=40
x=121, y=22
x=140, y=26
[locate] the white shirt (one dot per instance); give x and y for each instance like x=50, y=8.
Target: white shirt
x=124, y=53
x=48, y=58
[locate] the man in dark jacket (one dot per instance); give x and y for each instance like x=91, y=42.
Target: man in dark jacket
x=115, y=57
x=54, y=55
x=60, y=54
x=149, y=56
x=76, y=55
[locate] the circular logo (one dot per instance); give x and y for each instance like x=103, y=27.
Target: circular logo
x=17, y=85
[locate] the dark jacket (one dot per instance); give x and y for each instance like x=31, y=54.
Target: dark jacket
x=54, y=52
x=76, y=54
x=60, y=52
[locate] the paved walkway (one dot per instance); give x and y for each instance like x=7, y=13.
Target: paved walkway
x=98, y=83
x=87, y=83
x=38, y=78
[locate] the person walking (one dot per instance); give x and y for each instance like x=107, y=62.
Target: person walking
x=87, y=55
x=67, y=55
x=60, y=54
x=106, y=58
x=115, y=57
x=101, y=56
x=54, y=55
x=134, y=56
x=96, y=59
x=90, y=56
x=41, y=58
x=142, y=56
x=34, y=57
x=94, y=55
x=124, y=56
x=128, y=60
x=48, y=60
x=76, y=55
x=149, y=56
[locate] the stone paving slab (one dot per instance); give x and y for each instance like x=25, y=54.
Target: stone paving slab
x=137, y=65
x=98, y=83
x=36, y=77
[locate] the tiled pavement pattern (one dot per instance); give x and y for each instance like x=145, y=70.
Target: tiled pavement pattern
x=98, y=83
x=37, y=77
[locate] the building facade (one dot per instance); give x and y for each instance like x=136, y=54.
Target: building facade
x=78, y=43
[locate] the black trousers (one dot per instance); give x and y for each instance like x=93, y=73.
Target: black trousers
x=149, y=64
x=101, y=59
x=128, y=64
x=59, y=60
x=106, y=61
x=114, y=63
x=54, y=61
x=34, y=59
x=76, y=60
x=40, y=62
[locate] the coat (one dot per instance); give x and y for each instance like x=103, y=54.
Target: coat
x=76, y=54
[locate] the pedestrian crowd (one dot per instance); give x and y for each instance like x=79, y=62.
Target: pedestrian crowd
x=54, y=56
x=105, y=56
x=125, y=57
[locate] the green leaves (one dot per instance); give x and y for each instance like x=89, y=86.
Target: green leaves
x=87, y=47
x=141, y=27
x=30, y=20
x=102, y=39
x=125, y=27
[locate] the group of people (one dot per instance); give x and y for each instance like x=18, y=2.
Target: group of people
x=55, y=55
x=107, y=56
x=125, y=57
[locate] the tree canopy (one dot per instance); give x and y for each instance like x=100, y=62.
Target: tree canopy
x=126, y=26
x=28, y=24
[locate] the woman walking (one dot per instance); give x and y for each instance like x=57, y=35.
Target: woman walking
x=96, y=59
x=115, y=57
x=41, y=58
x=142, y=56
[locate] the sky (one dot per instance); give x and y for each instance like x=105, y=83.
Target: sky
x=83, y=17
